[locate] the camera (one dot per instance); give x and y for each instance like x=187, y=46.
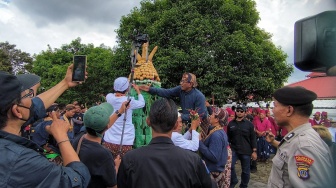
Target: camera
x=141, y=38
x=315, y=43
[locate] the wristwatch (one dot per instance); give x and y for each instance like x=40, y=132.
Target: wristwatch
x=118, y=113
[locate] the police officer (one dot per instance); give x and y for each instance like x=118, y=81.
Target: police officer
x=302, y=159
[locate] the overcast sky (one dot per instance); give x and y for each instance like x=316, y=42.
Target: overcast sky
x=33, y=24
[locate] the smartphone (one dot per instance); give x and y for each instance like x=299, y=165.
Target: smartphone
x=79, y=68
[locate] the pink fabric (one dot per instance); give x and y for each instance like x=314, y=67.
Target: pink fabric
x=283, y=131
x=311, y=122
x=231, y=113
x=314, y=122
x=326, y=123
x=27, y=128
x=256, y=120
x=264, y=125
x=274, y=126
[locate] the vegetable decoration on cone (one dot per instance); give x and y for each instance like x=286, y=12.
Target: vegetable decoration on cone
x=144, y=73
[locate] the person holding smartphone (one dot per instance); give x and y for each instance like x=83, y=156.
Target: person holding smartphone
x=113, y=135
x=79, y=68
x=22, y=161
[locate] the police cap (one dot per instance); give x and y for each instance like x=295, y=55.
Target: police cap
x=294, y=95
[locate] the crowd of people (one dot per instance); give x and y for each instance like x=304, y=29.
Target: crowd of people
x=71, y=146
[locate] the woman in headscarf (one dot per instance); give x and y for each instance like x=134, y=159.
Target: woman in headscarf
x=214, y=148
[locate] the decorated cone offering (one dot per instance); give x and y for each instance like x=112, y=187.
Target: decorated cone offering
x=144, y=74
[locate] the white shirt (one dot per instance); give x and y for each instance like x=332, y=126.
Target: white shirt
x=113, y=134
x=332, y=131
x=187, y=141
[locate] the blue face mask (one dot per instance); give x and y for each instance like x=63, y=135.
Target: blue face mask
x=30, y=119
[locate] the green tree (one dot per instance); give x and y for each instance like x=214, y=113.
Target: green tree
x=5, y=64
x=14, y=60
x=218, y=40
x=52, y=64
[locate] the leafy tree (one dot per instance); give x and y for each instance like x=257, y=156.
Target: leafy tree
x=5, y=64
x=14, y=60
x=51, y=65
x=218, y=40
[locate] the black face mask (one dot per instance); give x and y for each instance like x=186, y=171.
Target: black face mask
x=30, y=119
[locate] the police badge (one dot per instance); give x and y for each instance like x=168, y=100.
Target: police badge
x=303, y=163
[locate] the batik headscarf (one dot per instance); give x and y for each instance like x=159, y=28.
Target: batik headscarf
x=222, y=115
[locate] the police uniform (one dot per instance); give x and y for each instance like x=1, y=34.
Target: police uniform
x=303, y=159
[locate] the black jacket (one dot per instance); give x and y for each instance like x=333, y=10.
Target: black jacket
x=162, y=164
x=241, y=136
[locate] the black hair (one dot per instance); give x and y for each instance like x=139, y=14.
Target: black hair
x=304, y=110
x=61, y=106
x=52, y=108
x=93, y=132
x=4, y=111
x=163, y=115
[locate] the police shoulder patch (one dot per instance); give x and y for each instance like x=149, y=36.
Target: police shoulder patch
x=303, y=163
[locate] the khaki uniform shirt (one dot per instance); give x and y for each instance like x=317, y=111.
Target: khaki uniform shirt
x=303, y=160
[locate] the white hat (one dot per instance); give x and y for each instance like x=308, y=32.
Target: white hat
x=121, y=84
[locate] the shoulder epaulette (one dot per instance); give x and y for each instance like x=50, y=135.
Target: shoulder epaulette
x=287, y=138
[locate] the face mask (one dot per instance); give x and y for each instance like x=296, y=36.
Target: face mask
x=30, y=119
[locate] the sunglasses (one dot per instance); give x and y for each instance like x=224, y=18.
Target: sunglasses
x=240, y=111
x=30, y=94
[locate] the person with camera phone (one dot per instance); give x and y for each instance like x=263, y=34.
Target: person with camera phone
x=24, y=159
x=78, y=74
